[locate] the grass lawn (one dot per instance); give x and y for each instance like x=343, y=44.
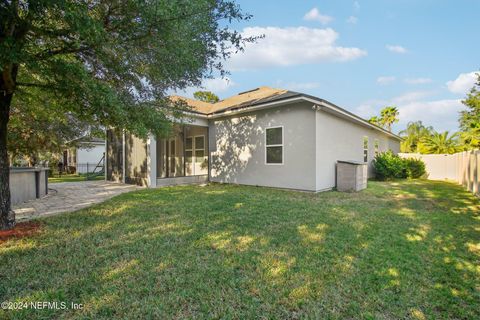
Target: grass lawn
x=397, y=250
x=75, y=178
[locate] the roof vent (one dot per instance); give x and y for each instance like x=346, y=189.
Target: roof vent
x=256, y=89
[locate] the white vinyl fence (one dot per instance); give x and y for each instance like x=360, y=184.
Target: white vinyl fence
x=462, y=167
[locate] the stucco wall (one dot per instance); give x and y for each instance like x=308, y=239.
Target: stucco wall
x=237, y=148
x=340, y=139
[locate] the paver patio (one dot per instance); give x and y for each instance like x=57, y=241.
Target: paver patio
x=70, y=196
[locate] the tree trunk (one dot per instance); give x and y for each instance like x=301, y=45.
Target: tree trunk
x=7, y=216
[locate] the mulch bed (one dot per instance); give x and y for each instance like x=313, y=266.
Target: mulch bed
x=21, y=230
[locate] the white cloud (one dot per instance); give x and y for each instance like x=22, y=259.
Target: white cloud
x=384, y=80
x=396, y=48
x=218, y=84
x=463, y=83
x=411, y=96
x=356, y=5
x=352, y=20
x=315, y=15
x=418, y=80
x=442, y=114
x=298, y=85
x=291, y=46
x=215, y=85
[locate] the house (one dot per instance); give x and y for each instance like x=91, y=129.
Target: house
x=87, y=157
x=264, y=137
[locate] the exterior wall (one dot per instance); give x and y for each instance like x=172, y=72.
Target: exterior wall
x=90, y=155
x=114, y=155
x=340, y=139
x=237, y=148
x=136, y=167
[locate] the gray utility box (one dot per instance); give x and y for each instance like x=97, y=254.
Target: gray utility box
x=351, y=175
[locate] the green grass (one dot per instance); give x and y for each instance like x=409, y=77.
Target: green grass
x=398, y=250
x=75, y=178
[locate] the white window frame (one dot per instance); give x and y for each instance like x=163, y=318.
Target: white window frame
x=275, y=145
x=194, y=146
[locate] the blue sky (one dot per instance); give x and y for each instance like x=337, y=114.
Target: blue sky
x=362, y=55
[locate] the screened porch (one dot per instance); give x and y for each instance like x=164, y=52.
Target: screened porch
x=185, y=154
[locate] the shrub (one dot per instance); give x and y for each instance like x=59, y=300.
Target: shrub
x=415, y=168
x=389, y=166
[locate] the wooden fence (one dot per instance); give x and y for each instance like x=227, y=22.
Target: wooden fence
x=462, y=167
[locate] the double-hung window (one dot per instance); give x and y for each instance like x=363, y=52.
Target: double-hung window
x=274, y=145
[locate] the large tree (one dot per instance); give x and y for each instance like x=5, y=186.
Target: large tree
x=413, y=136
x=107, y=61
x=439, y=143
x=389, y=116
x=470, y=118
x=206, y=96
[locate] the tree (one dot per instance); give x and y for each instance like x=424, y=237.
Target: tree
x=389, y=116
x=470, y=118
x=375, y=120
x=206, y=96
x=413, y=136
x=35, y=132
x=109, y=62
x=438, y=143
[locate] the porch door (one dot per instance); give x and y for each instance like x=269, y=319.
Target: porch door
x=171, y=158
x=196, y=161
x=201, y=162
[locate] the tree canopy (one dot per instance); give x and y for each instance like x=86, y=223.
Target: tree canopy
x=413, y=137
x=470, y=118
x=388, y=116
x=443, y=142
x=206, y=96
x=107, y=62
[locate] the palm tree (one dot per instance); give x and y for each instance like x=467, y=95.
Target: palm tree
x=375, y=120
x=389, y=116
x=413, y=135
x=441, y=143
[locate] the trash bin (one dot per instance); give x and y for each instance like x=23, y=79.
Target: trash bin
x=351, y=175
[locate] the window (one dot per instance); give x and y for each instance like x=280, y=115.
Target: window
x=274, y=145
x=365, y=149
x=199, y=149
x=377, y=148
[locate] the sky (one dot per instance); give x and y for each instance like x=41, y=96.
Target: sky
x=420, y=56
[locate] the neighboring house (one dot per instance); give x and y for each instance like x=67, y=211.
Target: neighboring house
x=87, y=157
x=265, y=137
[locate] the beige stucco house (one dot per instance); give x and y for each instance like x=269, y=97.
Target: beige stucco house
x=263, y=137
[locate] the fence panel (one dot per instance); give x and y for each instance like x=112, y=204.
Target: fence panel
x=462, y=167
